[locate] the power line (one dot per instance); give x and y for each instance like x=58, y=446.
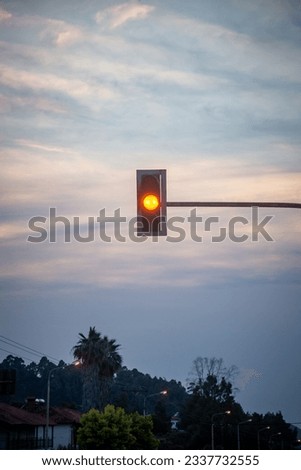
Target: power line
x=10, y=352
x=18, y=347
x=25, y=348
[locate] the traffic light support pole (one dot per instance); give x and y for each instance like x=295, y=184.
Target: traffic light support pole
x=283, y=205
x=152, y=203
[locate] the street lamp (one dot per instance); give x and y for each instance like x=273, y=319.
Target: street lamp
x=238, y=434
x=163, y=392
x=228, y=412
x=258, y=435
x=76, y=363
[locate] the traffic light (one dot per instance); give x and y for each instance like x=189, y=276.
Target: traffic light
x=7, y=381
x=151, y=202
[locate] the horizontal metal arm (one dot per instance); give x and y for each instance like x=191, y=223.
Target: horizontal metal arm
x=284, y=205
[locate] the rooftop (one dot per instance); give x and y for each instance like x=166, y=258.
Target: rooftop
x=13, y=415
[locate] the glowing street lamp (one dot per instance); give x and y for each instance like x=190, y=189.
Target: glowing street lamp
x=228, y=412
x=163, y=392
x=258, y=435
x=238, y=434
x=76, y=363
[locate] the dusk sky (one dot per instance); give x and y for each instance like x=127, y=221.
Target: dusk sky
x=209, y=90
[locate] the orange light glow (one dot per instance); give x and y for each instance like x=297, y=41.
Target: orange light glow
x=150, y=202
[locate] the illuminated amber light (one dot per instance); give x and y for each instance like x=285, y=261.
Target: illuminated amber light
x=150, y=202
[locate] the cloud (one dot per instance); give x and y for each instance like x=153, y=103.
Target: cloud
x=4, y=15
x=62, y=34
x=85, y=92
x=36, y=174
x=121, y=14
x=226, y=50
x=225, y=179
x=56, y=172
x=9, y=231
x=46, y=105
x=115, y=264
x=137, y=76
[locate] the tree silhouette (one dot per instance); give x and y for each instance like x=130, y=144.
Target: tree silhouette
x=100, y=361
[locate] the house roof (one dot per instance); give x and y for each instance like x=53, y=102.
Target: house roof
x=16, y=416
x=65, y=415
x=12, y=415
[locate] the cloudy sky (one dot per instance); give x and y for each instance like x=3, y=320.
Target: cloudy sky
x=90, y=91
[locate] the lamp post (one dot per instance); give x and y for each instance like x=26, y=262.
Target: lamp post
x=163, y=392
x=76, y=363
x=258, y=435
x=273, y=435
x=238, y=433
x=212, y=425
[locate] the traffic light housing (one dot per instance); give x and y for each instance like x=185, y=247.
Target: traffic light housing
x=7, y=381
x=151, y=202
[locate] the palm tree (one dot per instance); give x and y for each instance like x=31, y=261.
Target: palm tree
x=100, y=360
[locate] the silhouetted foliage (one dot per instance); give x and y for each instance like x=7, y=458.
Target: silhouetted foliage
x=31, y=381
x=100, y=361
x=205, y=415
x=161, y=419
x=130, y=388
x=208, y=398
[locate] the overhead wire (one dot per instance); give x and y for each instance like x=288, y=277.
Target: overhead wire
x=13, y=354
x=27, y=349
